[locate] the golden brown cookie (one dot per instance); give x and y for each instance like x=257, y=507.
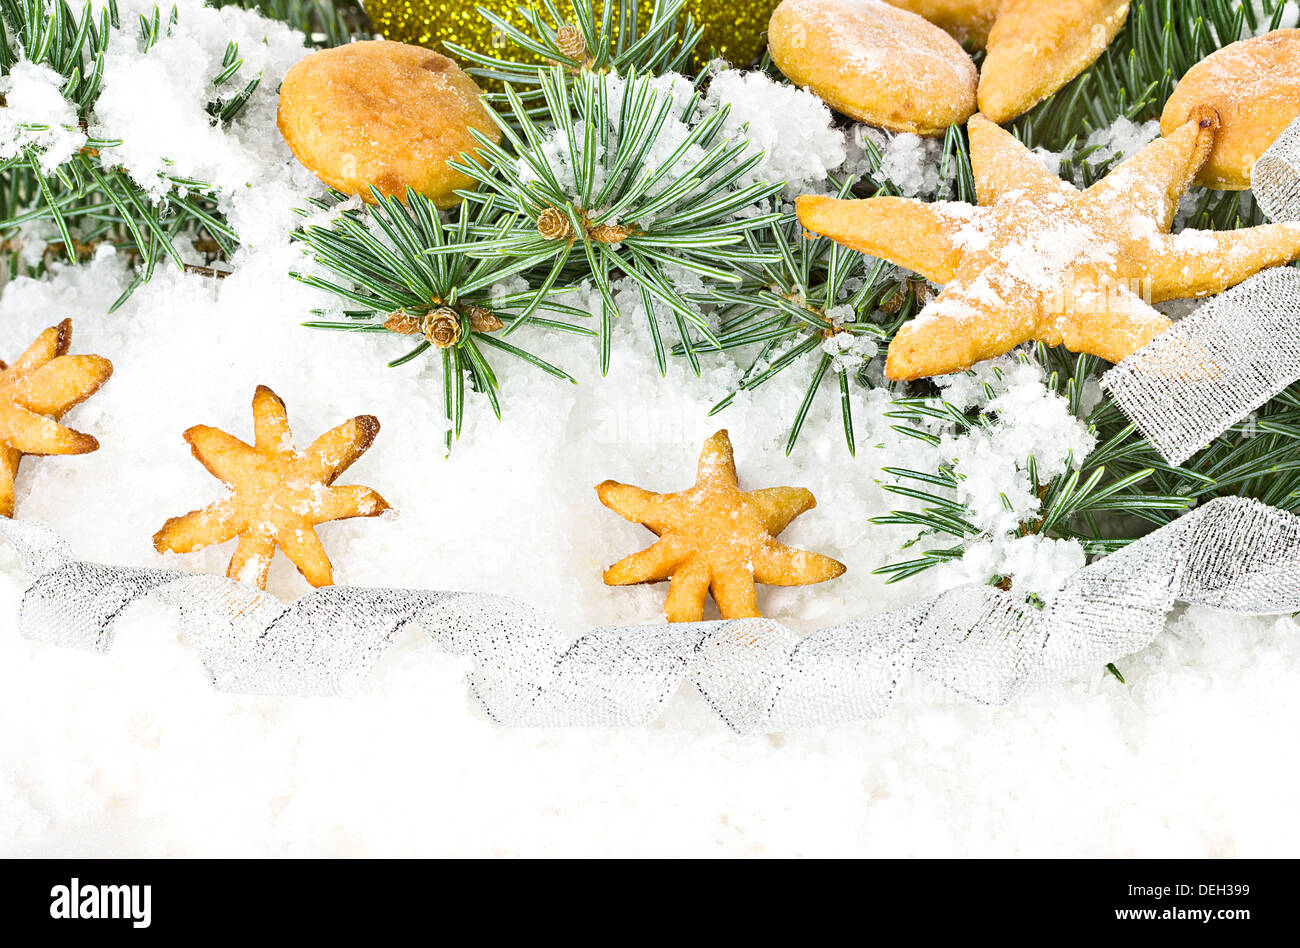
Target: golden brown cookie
x=966, y=21
x=383, y=113
x=278, y=494
x=1254, y=85
x=714, y=537
x=874, y=62
x=1035, y=48
x=1038, y=259
x=35, y=392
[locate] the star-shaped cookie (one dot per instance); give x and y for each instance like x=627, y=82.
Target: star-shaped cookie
x=278, y=494
x=1034, y=47
x=35, y=392
x=715, y=537
x=1039, y=259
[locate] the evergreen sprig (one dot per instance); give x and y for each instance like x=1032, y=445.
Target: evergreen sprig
x=1122, y=477
x=621, y=179
x=403, y=271
x=576, y=38
x=90, y=199
x=323, y=22
x=815, y=304
x=1123, y=489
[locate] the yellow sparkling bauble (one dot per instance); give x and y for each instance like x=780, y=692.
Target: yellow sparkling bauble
x=734, y=29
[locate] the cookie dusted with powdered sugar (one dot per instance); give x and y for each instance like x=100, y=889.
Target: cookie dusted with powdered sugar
x=383, y=114
x=874, y=62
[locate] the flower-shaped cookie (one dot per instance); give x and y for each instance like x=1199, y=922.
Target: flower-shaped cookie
x=278, y=494
x=35, y=392
x=714, y=537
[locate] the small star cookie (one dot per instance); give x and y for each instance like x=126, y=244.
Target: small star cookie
x=1039, y=259
x=278, y=494
x=714, y=537
x=35, y=392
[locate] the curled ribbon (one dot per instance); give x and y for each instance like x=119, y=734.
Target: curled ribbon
x=1275, y=179
x=1192, y=383
x=1184, y=389
x=983, y=644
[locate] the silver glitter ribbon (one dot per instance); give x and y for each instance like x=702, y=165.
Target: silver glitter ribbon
x=1237, y=351
x=983, y=644
x=1213, y=368
x=1184, y=389
x=1275, y=179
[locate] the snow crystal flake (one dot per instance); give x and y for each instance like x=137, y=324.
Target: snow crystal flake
x=792, y=127
x=36, y=116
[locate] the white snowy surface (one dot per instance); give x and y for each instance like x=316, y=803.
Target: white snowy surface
x=134, y=754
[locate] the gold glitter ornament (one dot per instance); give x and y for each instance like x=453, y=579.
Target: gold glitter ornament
x=734, y=31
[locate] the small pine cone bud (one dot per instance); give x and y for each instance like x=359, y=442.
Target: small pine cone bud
x=553, y=224
x=442, y=327
x=569, y=41
x=482, y=319
x=894, y=302
x=401, y=322
x=608, y=233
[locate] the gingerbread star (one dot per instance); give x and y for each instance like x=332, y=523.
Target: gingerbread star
x=1039, y=259
x=1034, y=47
x=278, y=494
x=715, y=537
x=35, y=392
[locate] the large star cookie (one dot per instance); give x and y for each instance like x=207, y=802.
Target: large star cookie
x=1039, y=259
x=35, y=392
x=1034, y=46
x=715, y=537
x=278, y=494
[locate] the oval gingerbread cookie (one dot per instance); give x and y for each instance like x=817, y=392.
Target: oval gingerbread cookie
x=1255, y=87
x=875, y=63
x=383, y=113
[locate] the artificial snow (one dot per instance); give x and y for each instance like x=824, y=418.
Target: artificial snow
x=911, y=163
x=1290, y=19
x=789, y=125
x=173, y=135
x=1121, y=139
x=36, y=117
x=133, y=753
x=1033, y=565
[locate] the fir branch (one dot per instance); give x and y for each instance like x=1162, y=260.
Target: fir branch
x=323, y=22
x=575, y=37
x=815, y=305
x=90, y=200
x=402, y=270
x=1117, y=479
x=604, y=189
